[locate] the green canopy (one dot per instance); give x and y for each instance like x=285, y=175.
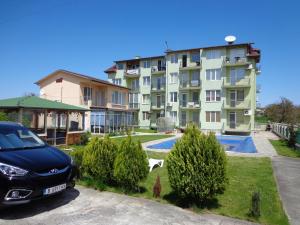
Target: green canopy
x=33, y=102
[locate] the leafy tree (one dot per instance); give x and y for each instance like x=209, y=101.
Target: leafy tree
x=197, y=166
x=99, y=157
x=131, y=165
x=3, y=116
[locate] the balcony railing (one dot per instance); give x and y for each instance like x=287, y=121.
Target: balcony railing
x=234, y=104
x=134, y=105
x=131, y=73
x=190, y=65
x=158, y=106
x=158, y=69
x=236, y=61
x=134, y=89
x=190, y=104
x=158, y=86
x=193, y=84
x=230, y=82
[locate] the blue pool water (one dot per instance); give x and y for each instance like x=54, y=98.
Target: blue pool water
x=243, y=144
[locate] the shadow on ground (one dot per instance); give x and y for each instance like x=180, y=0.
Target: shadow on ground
x=39, y=206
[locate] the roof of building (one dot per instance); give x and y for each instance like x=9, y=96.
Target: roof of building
x=111, y=69
x=168, y=51
x=34, y=102
x=81, y=76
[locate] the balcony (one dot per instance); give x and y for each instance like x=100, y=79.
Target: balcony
x=190, y=85
x=134, y=89
x=158, y=106
x=155, y=70
x=158, y=87
x=236, y=61
x=237, y=127
x=190, y=105
x=233, y=83
x=132, y=73
x=135, y=106
x=231, y=104
x=85, y=101
x=189, y=66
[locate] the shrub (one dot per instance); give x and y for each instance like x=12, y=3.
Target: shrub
x=131, y=165
x=85, y=137
x=255, y=205
x=99, y=157
x=3, y=117
x=157, y=187
x=77, y=156
x=197, y=166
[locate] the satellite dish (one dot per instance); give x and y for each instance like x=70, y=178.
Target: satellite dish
x=230, y=39
x=42, y=92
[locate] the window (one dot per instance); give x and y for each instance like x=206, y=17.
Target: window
x=116, y=81
x=146, y=115
x=135, y=84
x=146, y=99
x=173, y=115
x=120, y=66
x=87, y=94
x=195, y=57
x=213, y=54
x=213, y=74
x=146, y=64
x=118, y=98
x=237, y=74
x=174, y=58
x=173, y=78
x=133, y=98
x=146, y=81
x=195, y=75
x=240, y=95
x=173, y=96
x=213, y=96
x=213, y=116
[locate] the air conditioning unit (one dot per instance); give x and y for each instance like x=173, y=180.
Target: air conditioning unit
x=191, y=104
x=169, y=104
x=197, y=105
x=247, y=112
x=250, y=67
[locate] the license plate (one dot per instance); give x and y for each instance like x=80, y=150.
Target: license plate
x=55, y=189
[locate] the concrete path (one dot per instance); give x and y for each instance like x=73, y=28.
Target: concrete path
x=83, y=206
x=287, y=172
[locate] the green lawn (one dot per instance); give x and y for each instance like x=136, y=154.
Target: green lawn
x=145, y=130
x=142, y=138
x=283, y=149
x=245, y=176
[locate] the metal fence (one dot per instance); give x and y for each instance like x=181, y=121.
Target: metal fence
x=282, y=130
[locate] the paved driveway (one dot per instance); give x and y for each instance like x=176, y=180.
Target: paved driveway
x=84, y=206
x=287, y=172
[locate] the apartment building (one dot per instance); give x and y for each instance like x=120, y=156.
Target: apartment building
x=107, y=102
x=213, y=87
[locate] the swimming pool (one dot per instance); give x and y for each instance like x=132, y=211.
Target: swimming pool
x=243, y=144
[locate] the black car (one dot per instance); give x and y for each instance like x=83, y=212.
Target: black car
x=29, y=168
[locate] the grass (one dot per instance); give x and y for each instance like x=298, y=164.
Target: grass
x=245, y=176
x=145, y=130
x=261, y=119
x=283, y=149
x=142, y=138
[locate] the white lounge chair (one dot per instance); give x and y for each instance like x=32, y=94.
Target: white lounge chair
x=153, y=162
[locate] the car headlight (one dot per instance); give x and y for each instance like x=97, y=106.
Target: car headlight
x=12, y=171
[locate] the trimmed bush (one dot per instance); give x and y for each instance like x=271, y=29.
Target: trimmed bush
x=77, y=156
x=197, y=166
x=157, y=187
x=99, y=157
x=131, y=165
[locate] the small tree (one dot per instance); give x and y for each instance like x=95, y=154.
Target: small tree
x=292, y=137
x=131, y=165
x=99, y=157
x=157, y=187
x=197, y=165
x=3, y=116
x=255, y=205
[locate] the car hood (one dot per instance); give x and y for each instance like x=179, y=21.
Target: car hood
x=37, y=159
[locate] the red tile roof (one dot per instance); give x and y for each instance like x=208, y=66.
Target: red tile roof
x=111, y=69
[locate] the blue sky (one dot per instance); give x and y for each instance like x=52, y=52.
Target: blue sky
x=38, y=37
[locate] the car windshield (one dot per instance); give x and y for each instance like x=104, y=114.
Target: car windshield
x=18, y=138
